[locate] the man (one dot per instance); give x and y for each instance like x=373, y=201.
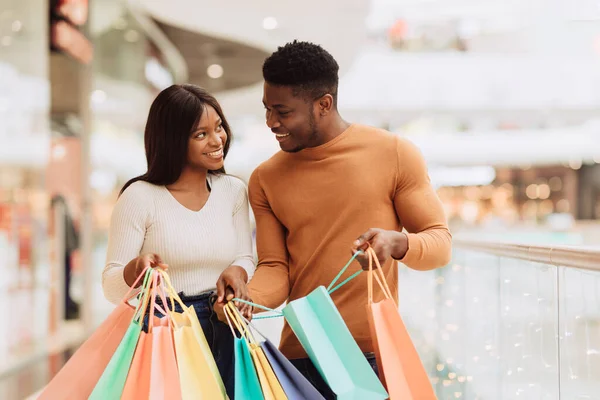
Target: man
x=334, y=188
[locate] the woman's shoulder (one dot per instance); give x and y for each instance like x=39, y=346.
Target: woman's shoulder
x=229, y=182
x=140, y=191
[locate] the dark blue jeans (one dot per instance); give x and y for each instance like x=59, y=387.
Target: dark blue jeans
x=218, y=335
x=310, y=372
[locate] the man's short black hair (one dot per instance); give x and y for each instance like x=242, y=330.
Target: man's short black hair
x=306, y=67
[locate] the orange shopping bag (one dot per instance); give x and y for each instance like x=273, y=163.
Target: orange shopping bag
x=400, y=367
x=77, y=379
x=137, y=385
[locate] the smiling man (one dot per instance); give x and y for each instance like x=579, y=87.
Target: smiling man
x=334, y=188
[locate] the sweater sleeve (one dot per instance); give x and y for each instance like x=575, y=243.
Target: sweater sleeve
x=420, y=212
x=270, y=285
x=129, y=221
x=241, y=224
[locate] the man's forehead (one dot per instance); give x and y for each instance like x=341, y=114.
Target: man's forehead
x=278, y=95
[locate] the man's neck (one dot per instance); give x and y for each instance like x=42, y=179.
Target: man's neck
x=334, y=128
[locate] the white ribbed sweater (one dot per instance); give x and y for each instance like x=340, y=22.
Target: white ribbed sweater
x=197, y=246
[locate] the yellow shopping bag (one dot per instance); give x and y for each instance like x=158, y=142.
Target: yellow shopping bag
x=198, y=373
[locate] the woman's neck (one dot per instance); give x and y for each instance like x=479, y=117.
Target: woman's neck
x=191, y=180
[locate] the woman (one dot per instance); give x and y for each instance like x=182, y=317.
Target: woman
x=185, y=212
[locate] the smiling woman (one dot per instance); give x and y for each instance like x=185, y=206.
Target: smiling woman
x=184, y=122
x=185, y=212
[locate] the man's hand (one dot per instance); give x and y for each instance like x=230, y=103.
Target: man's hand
x=232, y=283
x=386, y=244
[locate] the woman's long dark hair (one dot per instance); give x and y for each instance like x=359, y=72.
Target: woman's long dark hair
x=173, y=116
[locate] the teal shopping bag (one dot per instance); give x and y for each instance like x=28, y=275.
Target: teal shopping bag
x=247, y=384
x=111, y=383
x=328, y=342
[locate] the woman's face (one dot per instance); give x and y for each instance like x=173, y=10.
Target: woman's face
x=207, y=142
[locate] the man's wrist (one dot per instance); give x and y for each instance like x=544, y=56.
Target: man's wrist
x=243, y=274
x=400, y=246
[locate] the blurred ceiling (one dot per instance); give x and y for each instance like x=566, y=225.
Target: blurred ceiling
x=240, y=64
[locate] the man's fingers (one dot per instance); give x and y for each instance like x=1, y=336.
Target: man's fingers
x=362, y=243
x=220, y=290
x=363, y=259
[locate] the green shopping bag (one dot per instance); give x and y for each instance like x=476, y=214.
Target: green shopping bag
x=247, y=384
x=111, y=383
x=328, y=342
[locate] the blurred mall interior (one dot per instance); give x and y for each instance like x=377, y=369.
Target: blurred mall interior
x=501, y=96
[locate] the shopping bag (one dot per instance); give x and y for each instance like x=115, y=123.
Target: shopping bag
x=164, y=373
x=137, y=384
x=199, y=376
x=399, y=364
x=270, y=386
x=111, y=383
x=294, y=384
x=247, y=383
x=328, y=342
x=79, y=375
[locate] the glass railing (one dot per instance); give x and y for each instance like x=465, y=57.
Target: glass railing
x=508, y=322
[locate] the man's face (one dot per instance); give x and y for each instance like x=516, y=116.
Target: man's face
x=291, y=118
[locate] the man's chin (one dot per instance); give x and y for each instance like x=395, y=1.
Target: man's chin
x=289, y=149
x=288, y=146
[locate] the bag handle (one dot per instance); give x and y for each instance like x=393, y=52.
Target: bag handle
x=173, y=296
x=231, y=317
x=145, y=296
x=249, y=324
x=229, y=322
x=130, y=293
x=379, y=277
x=243, y=321
x=152, y=302
x=166, y=311
x=157, y=290
x=330, y=289
x=245, y=329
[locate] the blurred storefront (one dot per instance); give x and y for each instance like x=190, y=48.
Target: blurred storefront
x=75, y=87
x=25, y=244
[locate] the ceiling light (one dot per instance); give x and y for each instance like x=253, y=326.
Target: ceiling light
x=269, y=23
x=59, y=152
x=120, y=24
x=214, y=71
x=16, y=26
x=132, y=36
x=98, y=96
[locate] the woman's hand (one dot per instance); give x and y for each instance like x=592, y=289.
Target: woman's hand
x=232, y=284
x=136, y=266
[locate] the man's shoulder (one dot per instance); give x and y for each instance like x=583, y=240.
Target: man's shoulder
x=265, y=170
x=276, y=160
x=272, y=165
x=376, y=135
